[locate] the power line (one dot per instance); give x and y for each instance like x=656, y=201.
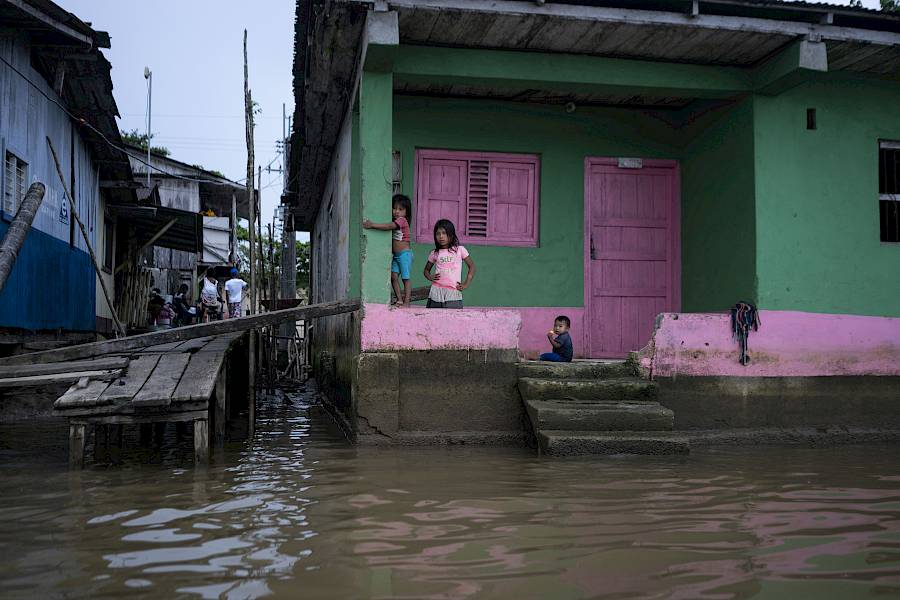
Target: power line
x=103, y=137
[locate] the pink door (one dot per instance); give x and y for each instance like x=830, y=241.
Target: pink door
x=632, y=249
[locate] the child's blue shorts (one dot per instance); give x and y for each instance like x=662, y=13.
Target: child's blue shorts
x=401, y=263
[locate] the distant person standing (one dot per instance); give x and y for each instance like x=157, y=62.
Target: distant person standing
x=209, y=297
x=234, y=288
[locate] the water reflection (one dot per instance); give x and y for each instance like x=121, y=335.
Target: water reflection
x=298, y=512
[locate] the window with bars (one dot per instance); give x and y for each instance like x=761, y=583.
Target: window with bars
x=889, y=190
x=491, y=198
x=14, y=183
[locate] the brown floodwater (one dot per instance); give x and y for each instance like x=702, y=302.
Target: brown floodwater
x=299, y=513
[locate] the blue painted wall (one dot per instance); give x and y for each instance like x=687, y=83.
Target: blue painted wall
x=51, y=286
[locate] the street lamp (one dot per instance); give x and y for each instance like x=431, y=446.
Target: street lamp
x=148, y=75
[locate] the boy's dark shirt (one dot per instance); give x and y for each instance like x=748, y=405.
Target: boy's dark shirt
x=565, y=349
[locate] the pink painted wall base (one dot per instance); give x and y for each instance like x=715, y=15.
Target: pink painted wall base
x=387, y=328
x=537, y=321
x=788, y=344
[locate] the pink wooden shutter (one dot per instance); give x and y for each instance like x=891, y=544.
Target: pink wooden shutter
x=492, y=198
x=477, y=203
x=442, y=195
x=512, y=201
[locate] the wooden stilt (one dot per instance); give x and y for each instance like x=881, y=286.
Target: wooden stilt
x=201, y=440
x=159, y=432
x=76, y=445
x=101, y=441
x=146, y=434
x=221, y=413
x=251, y=386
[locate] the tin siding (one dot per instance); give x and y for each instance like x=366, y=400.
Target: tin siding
x=52, y=285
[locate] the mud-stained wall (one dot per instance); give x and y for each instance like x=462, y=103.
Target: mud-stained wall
x=805, y=370
x=788, y=344
x=335, y=340
x=428, y=376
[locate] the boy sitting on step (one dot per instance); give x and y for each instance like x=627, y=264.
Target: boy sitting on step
x=560, y=340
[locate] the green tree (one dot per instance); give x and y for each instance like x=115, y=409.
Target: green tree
x=135, y=138
x=213, y=171
x=302, y=265
x=890, y=5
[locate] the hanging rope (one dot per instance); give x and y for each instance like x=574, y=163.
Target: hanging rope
x=744, y=317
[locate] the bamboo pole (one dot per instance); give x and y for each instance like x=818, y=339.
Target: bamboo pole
x=259, y=235
x=251, y=200
x=272, y=306
x=87, y=241
x=18, y=229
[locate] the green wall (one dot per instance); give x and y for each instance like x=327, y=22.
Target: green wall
x=553, y=273
x=817, y=199
x=718, y=212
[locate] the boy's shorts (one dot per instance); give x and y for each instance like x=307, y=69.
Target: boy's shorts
x=401, y=263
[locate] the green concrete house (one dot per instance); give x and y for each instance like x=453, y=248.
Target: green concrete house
x=611, y=161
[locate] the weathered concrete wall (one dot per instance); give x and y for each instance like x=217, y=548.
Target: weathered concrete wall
x=389, y=329
x=762, y=402
x=805, y=370
x=335, y=340
x=415, y=396
x=788, y=344
x=438, y=375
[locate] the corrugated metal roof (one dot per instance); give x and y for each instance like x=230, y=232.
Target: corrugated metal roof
x=738, y=33
x=57, y=38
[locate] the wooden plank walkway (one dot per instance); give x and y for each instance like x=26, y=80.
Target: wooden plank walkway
x=171, y=382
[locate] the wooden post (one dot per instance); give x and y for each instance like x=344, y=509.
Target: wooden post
x=76, y=444
x=221, y=413
x=261, y=257
x=18, y=229
x=233, y=256
x=273, y=305
x=251, y=199
x=101, y=440
x=201, y=440
x=87, y=241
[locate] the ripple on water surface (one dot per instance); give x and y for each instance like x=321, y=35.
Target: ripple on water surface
x=298, y=512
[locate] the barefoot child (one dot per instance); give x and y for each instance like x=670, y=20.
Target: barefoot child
x=560, y=340
x=403, y=257
x=449, y=256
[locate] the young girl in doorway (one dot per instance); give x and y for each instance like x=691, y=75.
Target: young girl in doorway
x=401, y=211
x=449, y=256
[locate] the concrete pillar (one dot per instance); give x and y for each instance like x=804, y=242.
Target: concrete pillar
x=375, y=137
x=380, y=42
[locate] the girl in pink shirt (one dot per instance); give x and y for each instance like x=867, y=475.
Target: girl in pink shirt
x=448, y=256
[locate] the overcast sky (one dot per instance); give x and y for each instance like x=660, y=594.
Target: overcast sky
x=194, y=49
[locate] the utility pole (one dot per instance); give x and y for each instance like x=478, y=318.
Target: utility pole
x=148, y=75
x=259, y=235
x=251, y=200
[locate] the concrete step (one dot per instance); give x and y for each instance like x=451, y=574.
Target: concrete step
x=575, y=443
x=592, y=415
x=579, y=369
x=622, y=389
